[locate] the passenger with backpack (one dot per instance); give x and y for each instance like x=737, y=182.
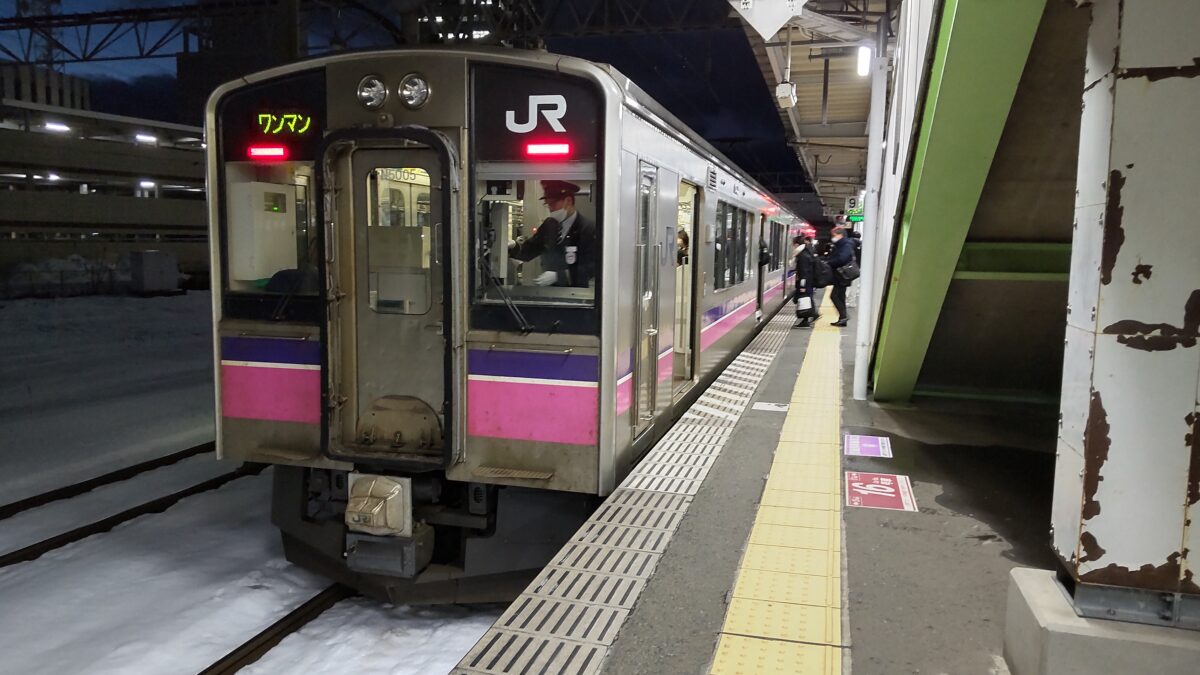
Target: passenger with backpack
x=807, y=265
x=845, y=271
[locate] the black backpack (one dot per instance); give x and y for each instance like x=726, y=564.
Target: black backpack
x=822, y=273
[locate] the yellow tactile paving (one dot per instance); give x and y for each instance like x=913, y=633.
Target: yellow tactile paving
x=791, y=560
x=785, y=613
x=795, y=500
x=784, y=621
x=829, y=454
x=740, y=655
x=787, y=471
x=796, y=537
x=810, y=483
x=797, y=589
x=795, y=497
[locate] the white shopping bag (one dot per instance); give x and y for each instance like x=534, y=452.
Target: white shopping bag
x=803, y=303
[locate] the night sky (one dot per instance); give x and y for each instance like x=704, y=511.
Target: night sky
x=709, y=79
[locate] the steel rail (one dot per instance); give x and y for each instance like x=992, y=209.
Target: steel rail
x=66, y=492
x=104, y=525
x=254, y=648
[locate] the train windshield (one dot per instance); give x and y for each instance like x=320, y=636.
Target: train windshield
x=537, y=241
x=270, y=243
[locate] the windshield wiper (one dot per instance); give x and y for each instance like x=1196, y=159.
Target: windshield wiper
x=485, y=266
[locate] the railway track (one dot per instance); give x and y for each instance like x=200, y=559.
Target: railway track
x=158, y=505
x=254, y=648
x=10, y=510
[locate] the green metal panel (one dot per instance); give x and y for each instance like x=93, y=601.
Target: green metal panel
x=1014, y=261
x=981, y=50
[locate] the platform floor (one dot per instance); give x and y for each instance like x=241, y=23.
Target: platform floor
x=765, y=569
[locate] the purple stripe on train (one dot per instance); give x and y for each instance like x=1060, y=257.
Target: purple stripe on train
x=539, y=365
x=271, y=350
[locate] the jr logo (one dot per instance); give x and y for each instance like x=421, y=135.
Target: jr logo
x=555, y=107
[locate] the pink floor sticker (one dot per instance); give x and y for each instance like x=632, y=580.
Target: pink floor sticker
x=867, y=446
x=879, y=491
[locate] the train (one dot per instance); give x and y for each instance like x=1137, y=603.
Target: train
x=458, y=294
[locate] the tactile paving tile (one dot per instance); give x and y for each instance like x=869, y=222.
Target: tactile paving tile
x=504, y=652
x=635, y=538
x=586, y=587
x=799, y=472
x=739, y=655
x=821, y=501
x=606, y=560
x=826, y=485
x=796, y=537
x=568, y=620
x=784, y=621
x=800, y=589
x=799, y=517
x=821, y=454
x=791, y=560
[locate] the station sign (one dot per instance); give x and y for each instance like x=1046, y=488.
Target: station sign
x=854, y=209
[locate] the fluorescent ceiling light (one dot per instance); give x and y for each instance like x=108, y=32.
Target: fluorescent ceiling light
x=146, y=138
x=864, y=61
x=147, y=183
x=53, y=177
x=55, y=126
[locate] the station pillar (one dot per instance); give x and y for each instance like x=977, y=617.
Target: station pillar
x=1126, y=512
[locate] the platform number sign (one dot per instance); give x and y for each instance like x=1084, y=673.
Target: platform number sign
x=879, y=491
x=854, y=209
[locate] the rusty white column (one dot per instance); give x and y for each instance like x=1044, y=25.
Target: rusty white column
x=1127, y=484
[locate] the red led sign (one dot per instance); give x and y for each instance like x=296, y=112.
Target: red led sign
x=267, y=152
x=548, y=149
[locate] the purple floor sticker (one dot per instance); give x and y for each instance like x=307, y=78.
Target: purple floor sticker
x=867, y=446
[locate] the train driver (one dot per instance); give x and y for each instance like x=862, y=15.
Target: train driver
x=566, y=240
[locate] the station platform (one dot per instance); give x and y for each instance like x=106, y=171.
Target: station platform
x=735, y=548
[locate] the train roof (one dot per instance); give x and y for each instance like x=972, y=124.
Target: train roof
x=635, y=98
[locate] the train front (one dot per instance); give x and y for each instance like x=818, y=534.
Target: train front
x=406, y=270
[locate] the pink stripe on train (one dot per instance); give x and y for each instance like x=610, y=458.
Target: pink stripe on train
x=277, y=394
x=721, y=327
x=533, y=411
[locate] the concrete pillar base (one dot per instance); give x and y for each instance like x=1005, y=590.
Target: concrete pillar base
x=1044, y=636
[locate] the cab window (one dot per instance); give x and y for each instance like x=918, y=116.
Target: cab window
x=538, y=242
x=270, y=245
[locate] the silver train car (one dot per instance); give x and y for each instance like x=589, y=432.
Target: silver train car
x=458, y=294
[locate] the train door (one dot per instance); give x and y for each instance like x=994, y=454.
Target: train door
x=761, y=260
x=648, y=253
x=388, y=337
x=683, y=358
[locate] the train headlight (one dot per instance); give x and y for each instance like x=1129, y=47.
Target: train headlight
x=414, y=91
x=372, y=92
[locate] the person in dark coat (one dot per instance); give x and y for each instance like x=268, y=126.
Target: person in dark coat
x=806, y=278
x=565, y=241
x=842, y=254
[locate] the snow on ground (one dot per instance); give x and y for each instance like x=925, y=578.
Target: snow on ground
x=34, y=525
x=166, y=593
x=93, y=384
x=364, y=637
x=173, y=592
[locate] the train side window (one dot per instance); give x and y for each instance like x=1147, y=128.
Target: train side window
x=720, y=246
x=736, y=238
x=398, y=254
